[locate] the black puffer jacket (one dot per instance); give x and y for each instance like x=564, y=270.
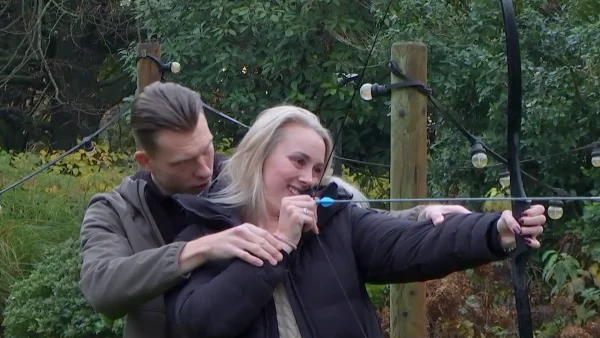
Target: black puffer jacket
x=234, y=299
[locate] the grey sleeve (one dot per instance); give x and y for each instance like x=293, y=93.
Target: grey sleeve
x=412, y=214
x=113, y=278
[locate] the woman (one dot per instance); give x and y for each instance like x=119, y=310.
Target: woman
x=317, y=288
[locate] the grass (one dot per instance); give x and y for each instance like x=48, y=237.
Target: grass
x=41, y=213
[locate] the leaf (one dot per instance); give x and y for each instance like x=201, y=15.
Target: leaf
x=289, y=32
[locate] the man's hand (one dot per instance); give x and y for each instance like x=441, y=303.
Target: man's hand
x=247, y=242
x=436, y=212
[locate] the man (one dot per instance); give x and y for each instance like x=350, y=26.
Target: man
x=129, y=257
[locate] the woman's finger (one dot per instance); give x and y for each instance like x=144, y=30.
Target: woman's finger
x=532, y=242
x=535, y=210
x=310, y=205
x=308, y=221
x=532, y=230
x=510, y=222
x=533, y=220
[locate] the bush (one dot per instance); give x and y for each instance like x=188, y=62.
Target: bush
x=47, y=209
x=49, y=303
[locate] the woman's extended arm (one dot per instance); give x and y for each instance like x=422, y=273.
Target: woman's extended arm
x=394, y=250
x=222, y=303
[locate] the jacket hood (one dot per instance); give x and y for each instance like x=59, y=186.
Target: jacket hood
x=199, y=206
x=132, y=191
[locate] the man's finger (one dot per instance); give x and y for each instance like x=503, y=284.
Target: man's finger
x=437, y=218
x=259, y=251
x=246, y=256
x=256, y=231
x=455, y=209
x=269, y=244
x=261, y=246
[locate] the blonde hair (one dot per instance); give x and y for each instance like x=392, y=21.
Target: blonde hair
x=242, y=173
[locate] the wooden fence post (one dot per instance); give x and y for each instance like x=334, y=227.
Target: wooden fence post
x=408, y=177
x=147, y=69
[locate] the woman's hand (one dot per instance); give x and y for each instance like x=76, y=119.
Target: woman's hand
x=530, y=225
x=297, y=214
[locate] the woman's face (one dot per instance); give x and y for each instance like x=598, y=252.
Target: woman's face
x=295, y=164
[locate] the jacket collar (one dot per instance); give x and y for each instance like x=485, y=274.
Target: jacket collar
x=202, y=207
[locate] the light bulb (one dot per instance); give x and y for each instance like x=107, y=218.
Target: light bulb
x=504, y=181
x=175, y=67
x=88, y=146
x=479, y=160
x=555, y=211
x=365, y=92
x=596, y=161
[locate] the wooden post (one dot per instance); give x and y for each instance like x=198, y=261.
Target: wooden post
x=337, y=163
x=408, y=177
x=147, y=69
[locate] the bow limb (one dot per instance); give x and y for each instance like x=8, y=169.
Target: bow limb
x=520, y=255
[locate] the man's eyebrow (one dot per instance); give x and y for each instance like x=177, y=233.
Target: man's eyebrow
x=210, y=142
x=200, y=151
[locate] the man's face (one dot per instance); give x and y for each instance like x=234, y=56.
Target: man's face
x=183, y=161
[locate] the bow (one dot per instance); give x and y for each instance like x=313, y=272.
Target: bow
x=520, y=254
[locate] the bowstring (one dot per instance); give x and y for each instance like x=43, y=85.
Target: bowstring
x=336, y=139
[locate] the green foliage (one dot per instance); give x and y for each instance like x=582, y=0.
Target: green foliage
x=245, y=56
x=48, y=303
x=47, y=209
x=566, y=275
x=379, y=294
x=467, y=71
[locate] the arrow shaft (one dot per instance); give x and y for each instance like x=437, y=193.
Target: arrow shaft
x=471, y=199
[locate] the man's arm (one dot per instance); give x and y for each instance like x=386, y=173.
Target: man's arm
x=114, y=279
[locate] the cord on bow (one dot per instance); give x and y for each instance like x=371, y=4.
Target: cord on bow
x=520, y=255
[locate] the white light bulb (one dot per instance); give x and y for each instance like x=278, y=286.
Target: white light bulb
x=505, y=181
x=365, y=92
x=555, y=212
x=175, y=67
x=596, y=161
x=479, y=160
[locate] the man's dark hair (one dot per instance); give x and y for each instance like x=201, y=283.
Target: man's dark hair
x=163, y=106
